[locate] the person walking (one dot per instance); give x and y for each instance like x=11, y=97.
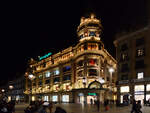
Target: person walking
x=106, y=105
x=134, y=105
x=139, y=107
x=91, y=101
x=98, y=104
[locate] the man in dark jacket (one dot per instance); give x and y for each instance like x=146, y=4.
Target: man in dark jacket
x=134, y=105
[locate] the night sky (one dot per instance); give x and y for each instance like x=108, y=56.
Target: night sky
x=34, y=29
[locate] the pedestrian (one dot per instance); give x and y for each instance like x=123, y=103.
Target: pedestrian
x=98, y=104
x=50, y=107
x=139, y=107
x=91, y=101
x=106, y=105
x=59, y=110
x=134, y=105
x=44, y=108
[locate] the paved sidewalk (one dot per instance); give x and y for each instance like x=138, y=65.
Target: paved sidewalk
x=79, y=108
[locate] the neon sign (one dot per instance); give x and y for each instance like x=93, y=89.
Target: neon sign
x=45, y=56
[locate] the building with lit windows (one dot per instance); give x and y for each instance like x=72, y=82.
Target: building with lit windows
x=133, y=58
x=77, y=73
x=133, y=53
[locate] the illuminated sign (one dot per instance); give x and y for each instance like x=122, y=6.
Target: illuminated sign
x=93, y=94
x=45, y=56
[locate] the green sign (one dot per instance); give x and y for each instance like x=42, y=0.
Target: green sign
x=93, y=94
x=45, y=56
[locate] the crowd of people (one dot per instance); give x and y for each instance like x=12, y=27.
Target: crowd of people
x=7, y=107
x=43, y=107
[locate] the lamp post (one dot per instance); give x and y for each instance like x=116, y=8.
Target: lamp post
x=10, y=87
x=31, y=77
x=111, y=70
x=84, y=82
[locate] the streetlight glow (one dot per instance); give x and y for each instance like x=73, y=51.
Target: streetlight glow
x=3, y=90
x=31, y=76
x=11, y=87
x=111, y=70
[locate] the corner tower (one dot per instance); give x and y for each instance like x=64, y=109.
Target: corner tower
x=90, y=28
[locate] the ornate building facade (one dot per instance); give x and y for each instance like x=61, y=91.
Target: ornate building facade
x=77, y=73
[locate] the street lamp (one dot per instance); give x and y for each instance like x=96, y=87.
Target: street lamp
x=3, y=90
x=84, y=81
x=10, y=87
x=31, y=77
x=111, y=70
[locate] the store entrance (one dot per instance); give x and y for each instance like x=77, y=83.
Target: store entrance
x=139, y=97
x=91, y=99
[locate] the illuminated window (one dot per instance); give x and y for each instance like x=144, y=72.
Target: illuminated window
x=40, y=76
x=92, y=33
x=148, y=87
x=66, y=68
x=56, y=72
x=124, y=89
x=92, y=72
x=47, y=74
x=140, y=75
x=65, y=98
x=140, y=52
x=55, y=98
x=92, y=62
x=92, y=46
x=80, y=73
x=139, y=88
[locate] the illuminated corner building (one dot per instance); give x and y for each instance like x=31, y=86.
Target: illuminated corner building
x=133, y=57
x=75, y=74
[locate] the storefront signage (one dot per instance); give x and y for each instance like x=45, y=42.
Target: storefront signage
x=92, y=94
x=45, y=56
x=124, y=82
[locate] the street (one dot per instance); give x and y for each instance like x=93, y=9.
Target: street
x=79, y=108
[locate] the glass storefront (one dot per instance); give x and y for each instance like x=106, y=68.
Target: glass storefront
x=124, y=89
x=33, y=98
x=139, y=93
x=46, y=98
x=148, y=87
x=55, y=98
x=65, y=98
x=147, y=97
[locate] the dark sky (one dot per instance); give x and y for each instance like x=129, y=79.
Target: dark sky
x=35, y=28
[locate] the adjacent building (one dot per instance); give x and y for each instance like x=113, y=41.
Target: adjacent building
x=76, y=74
x=133, y=57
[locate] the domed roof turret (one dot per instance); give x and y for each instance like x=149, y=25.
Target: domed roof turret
x=90, y=27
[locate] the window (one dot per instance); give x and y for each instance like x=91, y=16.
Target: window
x=139, y=64
x=66, y=68
x=92, y=72
x=92, y=33
x=139, y=41
x=148, y=87
x=92, y=46
x=139, y=88
x=40, y=76
x=81, y=36
x=56, y=79
x=66, y=77
x=124, y=47
x=140, y=52
x=56, y=72
x=124, y=89
x=80, y=73
x=40, y=83
x=47, y=81
x=80, y=63
x=125, y=68
x=92, y=62
x=140, y=75
x=47, y=74
x=124, y=77
x=124, y=57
